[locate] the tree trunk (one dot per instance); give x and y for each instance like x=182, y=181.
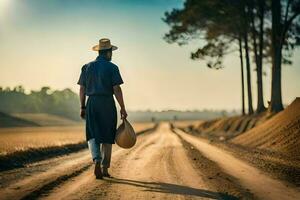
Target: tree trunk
x=250, y=107
x=260, y=96
x=276, y=97
x=242, y=75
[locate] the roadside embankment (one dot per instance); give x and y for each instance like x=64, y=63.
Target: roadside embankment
x=269, y=142
x=223, y=128
x=280, y=134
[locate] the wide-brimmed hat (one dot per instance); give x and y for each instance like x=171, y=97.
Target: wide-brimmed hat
x=125, y=136
x=104, y=43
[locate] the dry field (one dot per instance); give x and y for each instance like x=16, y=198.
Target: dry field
x=23, y=138
x=44, y=119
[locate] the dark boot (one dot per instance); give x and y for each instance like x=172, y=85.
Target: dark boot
x=105, y=172
x=98, y=171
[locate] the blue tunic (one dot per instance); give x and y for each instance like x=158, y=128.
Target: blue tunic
x=98, y=77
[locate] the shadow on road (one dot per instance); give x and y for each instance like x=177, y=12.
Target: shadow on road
x=172, y=189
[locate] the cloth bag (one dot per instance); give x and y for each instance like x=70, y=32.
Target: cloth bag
x=125, y=136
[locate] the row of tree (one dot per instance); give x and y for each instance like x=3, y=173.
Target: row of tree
x=264, y=31
x=64, y=103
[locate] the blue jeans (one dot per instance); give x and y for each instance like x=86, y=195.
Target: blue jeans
x=100, y=152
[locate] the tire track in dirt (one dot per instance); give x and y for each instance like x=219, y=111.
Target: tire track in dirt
x=34, y=183
x=38, y=192
x=214, y=176
x=40, y=178
x=79, y=186
x=159, y=169
x=7, y=178
x=260, y=184
x=44, y=176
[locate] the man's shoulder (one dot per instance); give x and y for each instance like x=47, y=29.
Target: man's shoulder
x=113, y=65
x=90, y=63
x=108, y=64
x=87, y=65
x=104, y=63
x=83, y=68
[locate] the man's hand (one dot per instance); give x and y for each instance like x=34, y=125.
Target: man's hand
x=82, y=113
x=123, y=113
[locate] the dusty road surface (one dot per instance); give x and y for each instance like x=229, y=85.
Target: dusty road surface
x=158, y=167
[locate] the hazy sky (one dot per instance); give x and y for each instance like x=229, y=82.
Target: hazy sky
x=46, y=42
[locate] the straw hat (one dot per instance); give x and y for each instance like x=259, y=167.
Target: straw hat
x=125, y=137
x=104, y=43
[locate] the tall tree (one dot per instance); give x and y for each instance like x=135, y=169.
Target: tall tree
x=245, y=18
x=242, y=74
x=285, y=32
x=216, y=22
x=248, y=73
x=257, y=13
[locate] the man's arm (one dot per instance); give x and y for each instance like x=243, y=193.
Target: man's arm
x=82, y=101
x=119, y=96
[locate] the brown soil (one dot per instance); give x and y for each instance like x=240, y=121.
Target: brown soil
x=280, y=134
x=215, y=176
x=258, y=182
x=224, y=128
x=40, y=143
x=272, y=145
x=158, y=167
x=280, y=166
x=162, y=165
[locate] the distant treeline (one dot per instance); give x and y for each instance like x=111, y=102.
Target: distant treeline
x=144, y=116
x=64, y=103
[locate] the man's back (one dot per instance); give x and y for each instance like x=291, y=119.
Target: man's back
x=100, y=76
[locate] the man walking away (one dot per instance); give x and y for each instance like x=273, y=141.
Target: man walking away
x=100, y=80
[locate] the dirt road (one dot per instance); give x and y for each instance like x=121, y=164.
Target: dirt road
x=158, y=167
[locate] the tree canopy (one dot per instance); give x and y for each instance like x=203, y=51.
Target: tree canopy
x=267, y=31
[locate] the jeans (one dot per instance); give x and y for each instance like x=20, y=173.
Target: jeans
x=100, y=152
